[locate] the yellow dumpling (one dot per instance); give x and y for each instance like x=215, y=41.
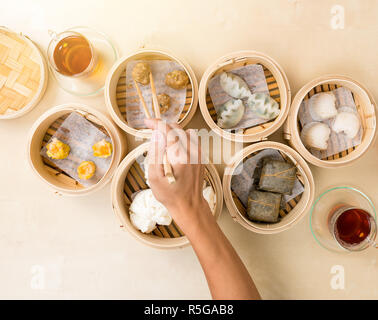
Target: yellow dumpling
x=102, y=149
x=57, y=149
x=86, y=170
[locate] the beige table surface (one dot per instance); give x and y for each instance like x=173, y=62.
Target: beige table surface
x=58, y=247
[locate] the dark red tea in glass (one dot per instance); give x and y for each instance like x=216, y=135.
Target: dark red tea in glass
x=351, y=227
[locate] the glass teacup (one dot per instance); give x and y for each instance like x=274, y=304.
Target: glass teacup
x=71, y=54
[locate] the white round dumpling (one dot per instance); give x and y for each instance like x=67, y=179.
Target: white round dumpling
x=230, y=113
x=347, y=121
x=234, y=86
x=316, y=135
x=263, y=105
x=322, y=106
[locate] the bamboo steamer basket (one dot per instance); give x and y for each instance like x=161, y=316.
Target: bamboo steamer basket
x=295, y=209
x=115, y=90
x=129, y=178
x=23, y=74
x=366, y=107
x=47, y=125
x=279, y=90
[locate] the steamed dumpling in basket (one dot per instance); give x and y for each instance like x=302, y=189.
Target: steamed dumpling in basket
x=347, y=121
x=263, y=105
x=234, y=85
x=230, y=113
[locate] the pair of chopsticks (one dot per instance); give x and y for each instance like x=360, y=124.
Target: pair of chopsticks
x=167, y=167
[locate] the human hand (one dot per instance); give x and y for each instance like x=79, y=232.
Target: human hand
x=183, y=198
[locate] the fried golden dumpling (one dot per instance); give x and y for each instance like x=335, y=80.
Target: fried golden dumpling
x=57, y=149
x=141, y=73
x=86, y=170
x=164, y=102
x=177, y=79
x=102, y=149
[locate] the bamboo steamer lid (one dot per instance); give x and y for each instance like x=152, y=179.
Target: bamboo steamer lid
x=23, y=74
x=129, y=178
x=279, y=90
x=366, y=108
x=115, y=90
x=47, y=125
x=295, y=209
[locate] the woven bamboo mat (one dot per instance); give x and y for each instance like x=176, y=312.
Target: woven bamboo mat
x=20, y=72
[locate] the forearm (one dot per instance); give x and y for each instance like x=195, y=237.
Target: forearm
x=225, y=272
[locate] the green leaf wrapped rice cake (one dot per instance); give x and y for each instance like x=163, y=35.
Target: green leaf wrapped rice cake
x=263, y=206
x=277, y=176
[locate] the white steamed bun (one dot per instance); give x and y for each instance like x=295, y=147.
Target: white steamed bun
x=316, y=135
x=347, y=121
x=322, y=106
x=146, y=212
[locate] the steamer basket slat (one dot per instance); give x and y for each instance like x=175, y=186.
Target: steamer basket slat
x=47, y=125
x=295, y=209
x=365, y=105
x=130, y=178
x=278, y=87
x=116, y=90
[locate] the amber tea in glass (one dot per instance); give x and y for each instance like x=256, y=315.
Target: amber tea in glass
x=71, y=54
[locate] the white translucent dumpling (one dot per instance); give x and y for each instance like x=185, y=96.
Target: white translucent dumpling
x=230, y=113
x=263, y=105
x=210, y=197
x=347, y=121
x=316, y=135
x=322, y=106
x=234, y=86
x=145, y=212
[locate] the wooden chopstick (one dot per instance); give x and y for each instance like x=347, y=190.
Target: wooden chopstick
x=154, y=98
x=147, y=113
x=167, y=167
x=168, y=170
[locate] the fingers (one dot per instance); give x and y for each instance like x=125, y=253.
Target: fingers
x=177, y=146
x=157, y=150
x=182, y=147
x=157, y=124
x=194, y=149
x=156, y=155
x=158, y=140
x=175, y=126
